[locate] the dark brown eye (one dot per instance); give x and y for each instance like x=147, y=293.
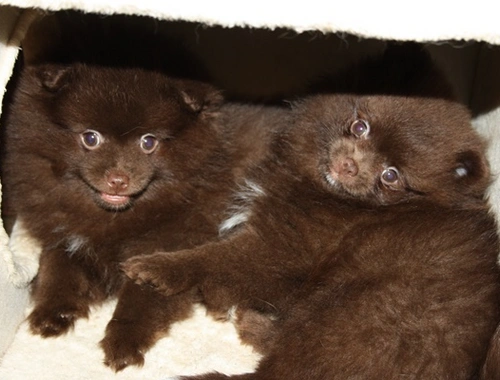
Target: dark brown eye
x=148, y=143
x=91, y=139
x=360, y=128
x=390, y=176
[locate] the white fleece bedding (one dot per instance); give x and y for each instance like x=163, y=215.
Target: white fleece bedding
x=425, y=20
x=196, y=345
x=201, y=344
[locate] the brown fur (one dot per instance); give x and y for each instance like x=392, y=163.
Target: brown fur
x=491, y=368
x=177, y=192
x=367, y=280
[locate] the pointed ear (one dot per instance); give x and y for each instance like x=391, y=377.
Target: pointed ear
x=51, y=77
x=200, y=97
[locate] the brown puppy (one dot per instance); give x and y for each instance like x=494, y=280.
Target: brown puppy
x=367, y=236
x=102, y=164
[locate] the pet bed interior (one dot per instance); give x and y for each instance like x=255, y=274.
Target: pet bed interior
x=252, y=54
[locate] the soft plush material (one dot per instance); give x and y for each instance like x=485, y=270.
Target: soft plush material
x=201, y=344
x=14, y=274
x=426, y=20
x=196, y=345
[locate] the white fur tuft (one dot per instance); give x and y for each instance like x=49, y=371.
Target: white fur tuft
x=75, y=243
x=332, y=181
x=231, y=313
x=240, y=210
x=233, y=221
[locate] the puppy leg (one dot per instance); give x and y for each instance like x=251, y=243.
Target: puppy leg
x=167, y=272
x=62, y=293
x=256, y=328
x=240, y=265
x=142, y=316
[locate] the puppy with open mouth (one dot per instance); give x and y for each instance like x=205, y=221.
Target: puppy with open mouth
x=101, y=164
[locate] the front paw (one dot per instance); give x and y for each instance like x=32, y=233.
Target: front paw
x=160, y=271
x=121, y=347
x=52, y=321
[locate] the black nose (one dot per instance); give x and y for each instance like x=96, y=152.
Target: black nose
x=117, y=182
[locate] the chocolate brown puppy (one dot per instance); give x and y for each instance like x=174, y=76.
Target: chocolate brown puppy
x=102, y=164
x=366, y=235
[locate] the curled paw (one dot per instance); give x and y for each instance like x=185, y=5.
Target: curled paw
x=119, y=357
x=121, y=347
x=157, y=270
x=54, y=321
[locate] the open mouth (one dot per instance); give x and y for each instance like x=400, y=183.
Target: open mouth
x=112, y=200
x=115, y=200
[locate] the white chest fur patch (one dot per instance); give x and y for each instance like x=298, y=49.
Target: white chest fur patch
x=75, y=243
x=239, y=212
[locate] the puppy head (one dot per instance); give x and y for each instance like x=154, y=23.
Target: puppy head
x=115, y=134
x=391, y=149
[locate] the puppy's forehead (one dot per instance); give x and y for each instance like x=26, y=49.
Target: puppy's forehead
x=426, y=130
x=424, y=117
x=116, y=107
x=390, y=108
x=402, y=129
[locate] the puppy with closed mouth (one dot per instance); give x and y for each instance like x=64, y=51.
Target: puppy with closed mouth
x=367, y=240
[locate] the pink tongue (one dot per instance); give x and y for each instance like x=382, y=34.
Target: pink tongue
x=114, y=199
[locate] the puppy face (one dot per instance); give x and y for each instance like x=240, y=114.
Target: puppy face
x=115, y=136
x=389, y=149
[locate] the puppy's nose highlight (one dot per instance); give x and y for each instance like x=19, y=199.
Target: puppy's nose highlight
x=347, y=167
x=117, y=182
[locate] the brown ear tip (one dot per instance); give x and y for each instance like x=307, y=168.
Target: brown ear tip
x=202, y=99
x=51, y=77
